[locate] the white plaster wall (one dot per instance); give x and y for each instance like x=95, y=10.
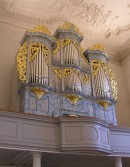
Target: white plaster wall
x=8, y=47
x=126, y=68
x=123, y=101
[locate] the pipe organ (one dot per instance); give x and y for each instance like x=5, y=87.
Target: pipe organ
x=59, y=78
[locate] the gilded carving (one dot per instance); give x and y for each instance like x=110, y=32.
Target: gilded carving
x=98, y=47
x=67, y=41
x=57, y=71
x=41, y=29
x=104, y=104
x=67, y=72
x=71, y=26
x=73, y=98
x=85, y=78
x=45, y=51
x=35, y=47
x=96, y=65
x=22, y=62
x=113, y=83
x=38, y=92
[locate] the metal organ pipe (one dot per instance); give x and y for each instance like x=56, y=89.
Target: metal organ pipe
x=101, y=86
x=101, y=83
x=39, y=69
x=72, y=53
x=69, y=54
x=71, y=58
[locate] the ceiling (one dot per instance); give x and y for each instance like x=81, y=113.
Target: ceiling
x=102, y=21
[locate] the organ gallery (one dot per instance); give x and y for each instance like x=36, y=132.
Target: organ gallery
x=60, y=78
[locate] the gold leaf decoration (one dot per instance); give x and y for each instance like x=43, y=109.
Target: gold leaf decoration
x=38, y=92
x=67, y=41
x=41, y=28
x=104, y=104
x=34, y=47
x=96, y=65
x=45, y=51
x=22, y=62
x=73, y=98
x=57, y=71
x=70, y=26
x=67, y=72
x=85, y=78
x=113, y=83
x=98, y=47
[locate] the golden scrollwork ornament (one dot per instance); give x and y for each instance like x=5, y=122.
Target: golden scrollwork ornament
x=57, y=71
x=113, y=83
x=67, y=41
x=98, y=47
x=41, y=28
x=22, y=62
x=70, y=26
x=96, y=65
x=35, y=48
x=85, y=78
